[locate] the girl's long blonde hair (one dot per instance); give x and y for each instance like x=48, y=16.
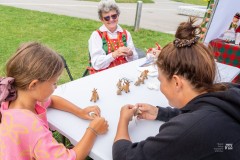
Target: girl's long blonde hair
x=31, y=61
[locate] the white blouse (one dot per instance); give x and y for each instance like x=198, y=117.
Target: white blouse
x=99, y=59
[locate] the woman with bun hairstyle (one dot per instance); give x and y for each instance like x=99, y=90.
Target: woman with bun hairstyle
x=203, y=121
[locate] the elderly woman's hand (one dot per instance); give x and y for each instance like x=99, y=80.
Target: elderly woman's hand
x=126, y=51
x=129, y=52
x=122, y=51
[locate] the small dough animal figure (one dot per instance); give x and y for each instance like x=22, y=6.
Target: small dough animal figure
x=125, y=87
x=144, y=74
x=119, y=91
x=139, y=81
x=119, y=84
x=95, y=96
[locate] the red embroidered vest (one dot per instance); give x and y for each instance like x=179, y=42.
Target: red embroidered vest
x=110, y=45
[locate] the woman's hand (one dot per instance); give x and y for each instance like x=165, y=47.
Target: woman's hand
x=99, y=125
x=127, y=112
x=89, y=113
x=126, y=51
x=147, y=111
x=122, y=51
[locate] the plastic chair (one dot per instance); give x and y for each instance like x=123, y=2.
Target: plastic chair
x=66, y=67
x=141, y=53
x=85, y=73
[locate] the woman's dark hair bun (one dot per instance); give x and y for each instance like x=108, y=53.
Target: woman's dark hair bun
x=187, y=33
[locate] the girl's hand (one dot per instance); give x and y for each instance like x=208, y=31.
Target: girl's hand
x=91, y=112
x=147, y=111
x=99, y=125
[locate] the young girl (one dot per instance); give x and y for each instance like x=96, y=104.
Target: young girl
x=32, y=75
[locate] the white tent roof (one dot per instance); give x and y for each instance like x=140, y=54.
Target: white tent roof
x=222, y=17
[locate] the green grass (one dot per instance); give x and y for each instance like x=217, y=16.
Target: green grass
x=67, y=35
x=196, y=2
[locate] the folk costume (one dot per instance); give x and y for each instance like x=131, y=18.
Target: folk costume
x=234, y=24
x=238, y=29
x=237, y=15
x=101, y=45
x=230, y=34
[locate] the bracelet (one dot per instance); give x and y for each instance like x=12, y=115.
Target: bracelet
x=93, y=130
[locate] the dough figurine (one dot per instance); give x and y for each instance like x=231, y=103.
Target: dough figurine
x=125, y=87
x=95, y=96
x=139, y=81
x=144, y=74
x=119, y=84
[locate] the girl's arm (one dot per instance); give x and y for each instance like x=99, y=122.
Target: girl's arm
x=97, y=127
x=65, y=105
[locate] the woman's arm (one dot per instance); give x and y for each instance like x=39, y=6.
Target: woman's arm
x=127, y=112
x=151, y=112
x=164, y=114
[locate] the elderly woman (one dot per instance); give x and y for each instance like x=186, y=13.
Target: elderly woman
x=110, y=45
x=205, y=120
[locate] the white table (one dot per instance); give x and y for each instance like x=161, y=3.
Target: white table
x=79, y=93
x=226, y=73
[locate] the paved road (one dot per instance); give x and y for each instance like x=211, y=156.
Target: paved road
x=161, y=16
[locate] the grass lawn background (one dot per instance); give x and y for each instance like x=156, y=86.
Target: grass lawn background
x=67, y=35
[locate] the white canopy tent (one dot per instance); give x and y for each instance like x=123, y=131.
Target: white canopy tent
x=221, y=18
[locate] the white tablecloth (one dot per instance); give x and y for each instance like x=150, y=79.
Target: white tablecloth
x=79, y=92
